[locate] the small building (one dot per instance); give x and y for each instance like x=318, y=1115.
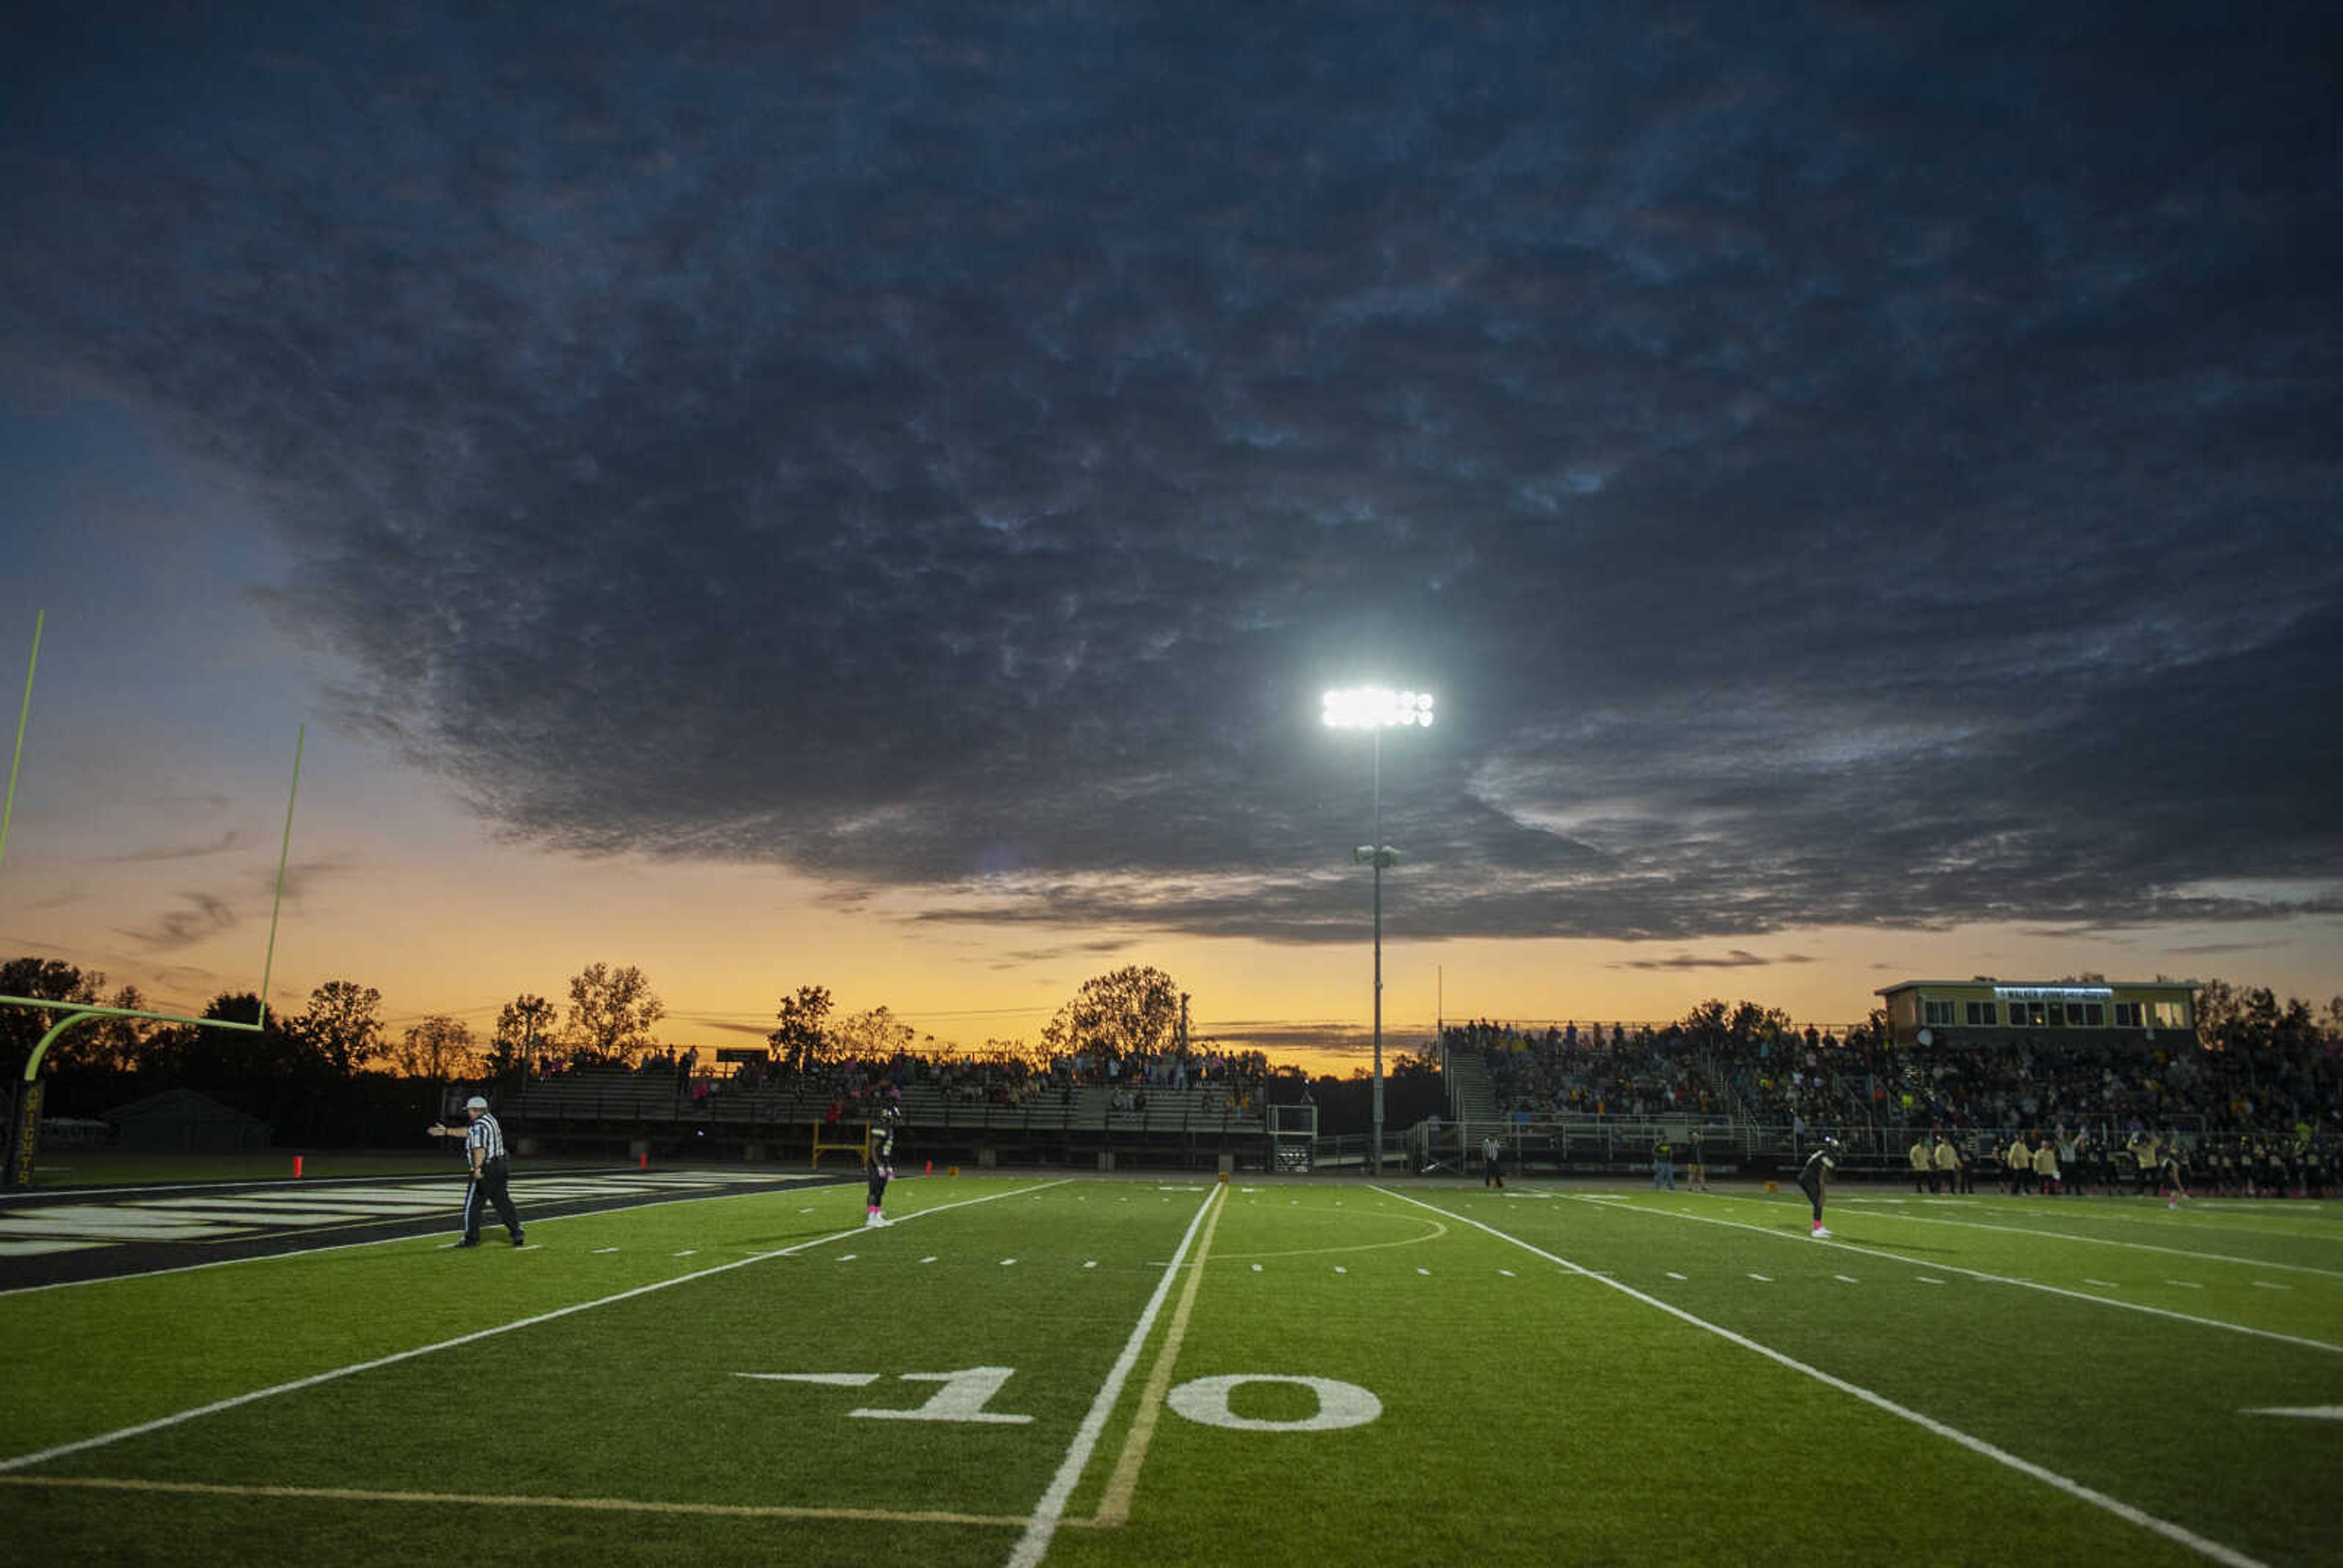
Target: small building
x=182, y=1120
x=1990, y=1012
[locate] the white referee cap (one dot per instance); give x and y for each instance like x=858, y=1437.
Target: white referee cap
x=478, y=1102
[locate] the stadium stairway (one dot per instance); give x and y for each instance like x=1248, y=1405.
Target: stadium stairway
x=1470, y=1096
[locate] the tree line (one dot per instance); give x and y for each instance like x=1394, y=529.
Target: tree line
x=609, y=1019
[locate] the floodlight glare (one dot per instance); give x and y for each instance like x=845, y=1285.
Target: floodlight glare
x=1376, y=708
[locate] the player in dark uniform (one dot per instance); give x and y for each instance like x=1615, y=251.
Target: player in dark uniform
x=1814, y=1176
x=880, y=1167
x=2173, y=1173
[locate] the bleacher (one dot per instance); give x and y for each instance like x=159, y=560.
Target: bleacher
x=618, y=1111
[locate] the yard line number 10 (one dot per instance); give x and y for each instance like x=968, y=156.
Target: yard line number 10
x=965, y=1394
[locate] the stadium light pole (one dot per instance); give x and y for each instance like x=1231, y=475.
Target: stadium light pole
x=1374, y=709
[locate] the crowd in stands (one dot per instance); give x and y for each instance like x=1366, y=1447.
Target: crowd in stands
x=1649, y=1072
x=1230, y=1080
x=1815, y=1079
x=850, y=1086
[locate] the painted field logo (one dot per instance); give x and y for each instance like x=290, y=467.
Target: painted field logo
x=1205, y=1400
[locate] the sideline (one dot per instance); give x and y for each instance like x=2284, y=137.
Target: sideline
x=42, y=1457
x=2179, y=1533
x=1050, y=1511
x=2115, y=1302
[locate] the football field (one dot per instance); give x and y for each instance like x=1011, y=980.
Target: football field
x=1112, y=1372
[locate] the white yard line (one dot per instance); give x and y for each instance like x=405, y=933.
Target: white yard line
x=1847, y=1246
x=25, y=1460
x=1050, y=1511
x=2097, y=1241
x=474, y=1499
x=1123, y=1484
x=2072, y=1488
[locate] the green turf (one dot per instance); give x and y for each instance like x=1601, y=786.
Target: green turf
x=1560, y=1375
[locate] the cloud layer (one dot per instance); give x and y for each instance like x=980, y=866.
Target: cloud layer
x=1834, y=468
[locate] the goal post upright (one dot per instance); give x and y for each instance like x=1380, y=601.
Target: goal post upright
x=23, y=1130
x=268, y=960
x=8, y=808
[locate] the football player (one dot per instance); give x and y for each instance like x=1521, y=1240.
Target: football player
x=879, y=1163
x=1815, y=1176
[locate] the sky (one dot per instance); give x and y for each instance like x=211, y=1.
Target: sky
x=871, y=496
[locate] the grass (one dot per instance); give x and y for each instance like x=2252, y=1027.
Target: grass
x=1417, y=1374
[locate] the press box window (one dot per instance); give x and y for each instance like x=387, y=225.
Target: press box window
x=1936, y=1012
x=1981, y=1015
x=2128, y=1015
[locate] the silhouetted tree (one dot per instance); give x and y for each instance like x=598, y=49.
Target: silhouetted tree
x=802, y=1041
x=44, y=980
x=437, y=1047
x=340, y=1025
x=612, y=1011
x=874, y=1036
x=522, y=1030
x=112, y=1044
x=1133, y=1009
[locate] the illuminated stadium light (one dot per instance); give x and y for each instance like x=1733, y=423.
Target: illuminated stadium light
x=1375, y=709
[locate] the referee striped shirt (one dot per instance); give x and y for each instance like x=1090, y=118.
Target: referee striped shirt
x=486, y=1136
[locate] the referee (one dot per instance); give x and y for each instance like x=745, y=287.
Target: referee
x=484, y=1146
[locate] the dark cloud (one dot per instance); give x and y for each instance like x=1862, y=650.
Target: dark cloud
x=725, y=1026
x=198, y=917
x=1836, y=466
x=1063, y=950
x=219, y=846
x=1349, y=1047
x=1736, y=958
x=2200, y=950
